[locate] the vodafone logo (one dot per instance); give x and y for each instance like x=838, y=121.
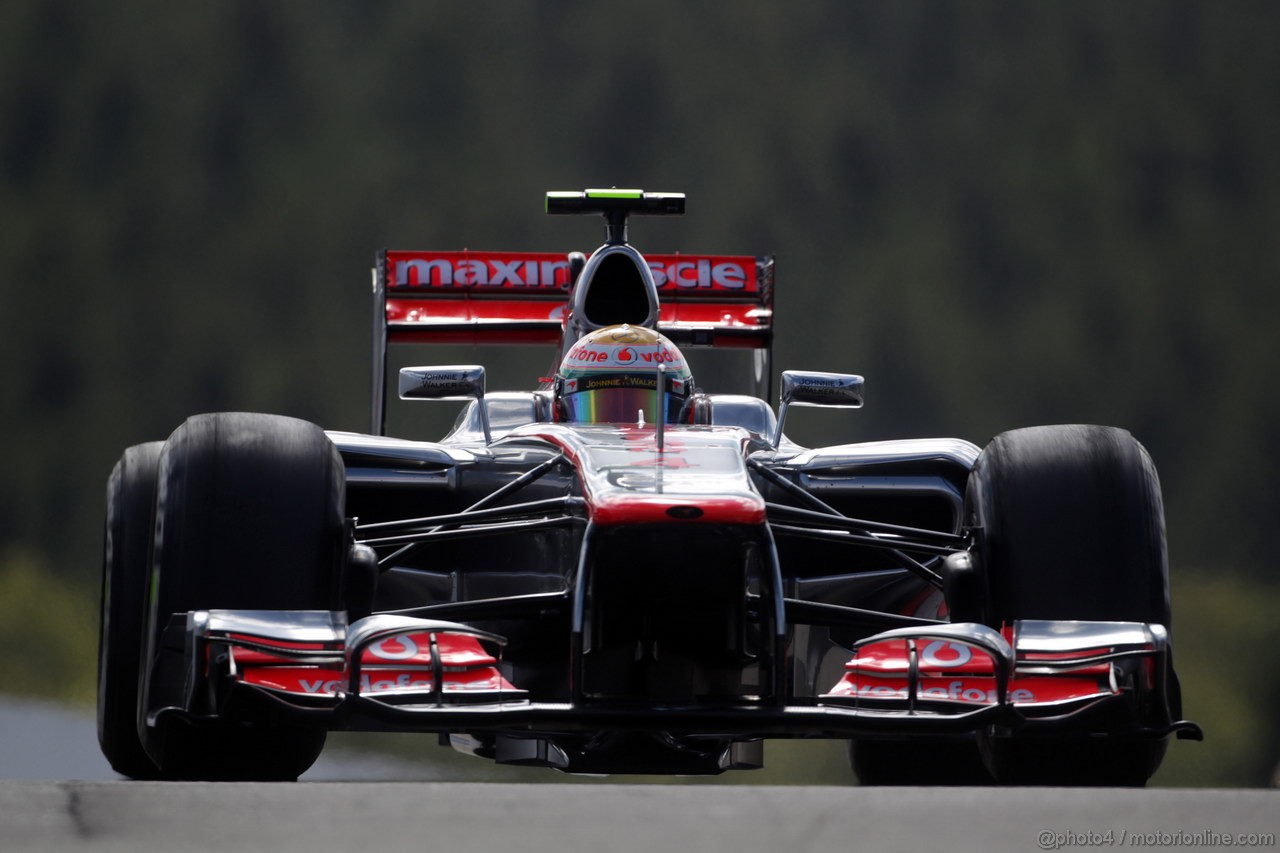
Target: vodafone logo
x=956, y=691
x=943, y=655
x=590, y=354
x=403, y=681
x=394, y=648
x=587, y=354
x=662, y=356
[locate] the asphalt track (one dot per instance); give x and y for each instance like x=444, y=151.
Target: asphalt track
x=463, y=817
x=345, y=803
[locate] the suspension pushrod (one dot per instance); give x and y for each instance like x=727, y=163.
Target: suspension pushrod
x=862, y=539
x=834, y=615
x=488, y=608
x=438, y=535
x=908, y=562
x=791, y=488
x=410, y=525
x=518, y=483
x=863, y=525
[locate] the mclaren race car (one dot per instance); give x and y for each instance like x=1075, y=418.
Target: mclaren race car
x=622, y=572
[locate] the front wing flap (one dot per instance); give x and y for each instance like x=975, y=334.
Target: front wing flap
x=317, y=659
x=1042, y=669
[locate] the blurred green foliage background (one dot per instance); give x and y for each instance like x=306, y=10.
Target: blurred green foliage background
x=1002, y=213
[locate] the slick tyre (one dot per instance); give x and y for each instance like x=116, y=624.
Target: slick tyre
x=1070, y=526
x=131, y=494
x=249, y=516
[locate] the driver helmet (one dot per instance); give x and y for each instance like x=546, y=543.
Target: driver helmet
x=611, y=376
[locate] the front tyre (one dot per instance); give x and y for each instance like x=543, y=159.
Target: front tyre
x=131, y=494
x=249, y=516
x=1070, y=526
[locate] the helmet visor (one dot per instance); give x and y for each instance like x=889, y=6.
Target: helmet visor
x=620, y=399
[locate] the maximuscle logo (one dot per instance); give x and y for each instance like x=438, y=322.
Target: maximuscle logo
x=545, y=271
x=701, y=273
x=471, y=269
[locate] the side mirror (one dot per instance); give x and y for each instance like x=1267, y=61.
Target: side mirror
x=452, y=382
x=808, y=388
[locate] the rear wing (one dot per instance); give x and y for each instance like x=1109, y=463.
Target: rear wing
x=523, y=298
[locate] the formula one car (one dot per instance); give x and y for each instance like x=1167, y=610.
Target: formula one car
x=621, y=572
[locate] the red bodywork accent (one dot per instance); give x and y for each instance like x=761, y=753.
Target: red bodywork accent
x=970, y=690
x=698, y=478
x=626, y=509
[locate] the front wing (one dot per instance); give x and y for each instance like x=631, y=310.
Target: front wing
x=405, y=673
